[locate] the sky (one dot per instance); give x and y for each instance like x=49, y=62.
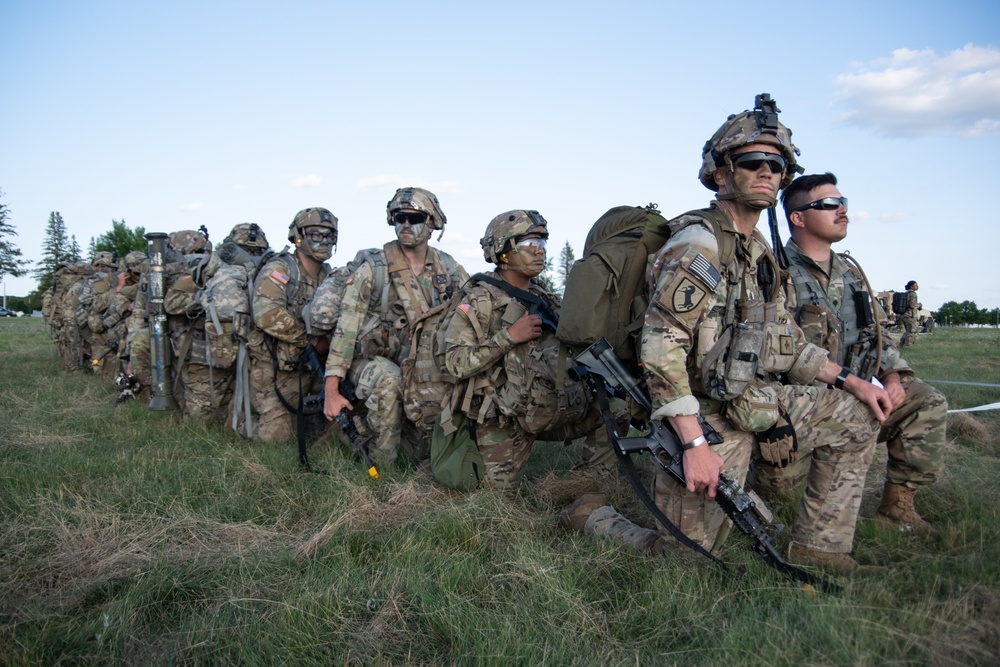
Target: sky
x=179, y=114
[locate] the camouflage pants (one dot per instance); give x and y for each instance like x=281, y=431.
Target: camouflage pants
x=275, y=422
x=911, y=328
x=378, y=384
x=914, y=435
x=138, y=344
x=835, y=428
x=505, y=446
x=207, y=392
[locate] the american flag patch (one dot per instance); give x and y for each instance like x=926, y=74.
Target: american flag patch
x=350, y=279
x=279, y=277
x=465, y=307
x=702, y=269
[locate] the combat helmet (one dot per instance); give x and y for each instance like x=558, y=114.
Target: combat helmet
x=133, y=261
x=417, y=199
x=312, y=217
x=507, y=227
x=249, y=236
x=190, y=241
x=760, y=126
x=104, y=258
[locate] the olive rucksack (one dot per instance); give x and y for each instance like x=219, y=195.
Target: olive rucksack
x=605, y=294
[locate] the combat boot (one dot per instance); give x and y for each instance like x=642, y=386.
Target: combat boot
x=800, y=555
x=575, y=516
x=607, y=522
x=897, y=508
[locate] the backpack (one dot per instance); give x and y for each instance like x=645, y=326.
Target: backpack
x=900, y=302
x=323, y=311
x=455, y=458
x=605, y=295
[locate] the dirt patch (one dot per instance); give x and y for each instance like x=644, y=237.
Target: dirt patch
x=962, y=424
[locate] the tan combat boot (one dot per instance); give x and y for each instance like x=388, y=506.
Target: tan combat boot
x=897, y=508
x=575, y=516
x=800, y=555
x=607, y=522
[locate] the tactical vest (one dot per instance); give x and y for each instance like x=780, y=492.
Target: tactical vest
x=392, y=310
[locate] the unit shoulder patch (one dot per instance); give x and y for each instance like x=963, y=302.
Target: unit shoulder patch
x=687, y=296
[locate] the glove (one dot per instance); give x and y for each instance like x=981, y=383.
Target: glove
x=778, y=444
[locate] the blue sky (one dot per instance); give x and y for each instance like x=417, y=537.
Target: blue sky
x=173, y=115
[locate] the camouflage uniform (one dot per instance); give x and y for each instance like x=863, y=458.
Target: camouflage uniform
x=693, y=299
x=69, y=283
x=514, y=392
x=277, y=308
x=372, y=336
x=910, y=319
x=824, y=306
x=137, y=343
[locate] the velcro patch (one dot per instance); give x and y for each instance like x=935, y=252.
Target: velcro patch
x=279, y=277
x=786, y=344
x=703, y=270
x=687, y=295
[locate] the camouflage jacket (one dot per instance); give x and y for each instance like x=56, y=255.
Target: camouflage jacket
x=824, y=306
x=281, y=290
x=373, y=325
x=694, y=300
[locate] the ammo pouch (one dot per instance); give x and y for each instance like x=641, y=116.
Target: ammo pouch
x=819, y=328
x=732, y=362
x=223, y=345
x=862, y=357
x=756, y=409
x=778, y=349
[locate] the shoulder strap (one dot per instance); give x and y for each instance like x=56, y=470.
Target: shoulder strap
x=533, y=302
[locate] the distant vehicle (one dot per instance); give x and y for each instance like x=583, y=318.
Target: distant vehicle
x=7, y=313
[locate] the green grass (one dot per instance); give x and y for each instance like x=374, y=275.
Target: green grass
x=130, y=537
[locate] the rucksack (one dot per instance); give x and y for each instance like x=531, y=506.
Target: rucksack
x=900, y=302
x=323, y=311
x=605, y=295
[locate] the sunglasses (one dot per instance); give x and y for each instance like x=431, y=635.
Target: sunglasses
x=824, y=204
x=753, y=161
x=409, y=218
x=319, y=237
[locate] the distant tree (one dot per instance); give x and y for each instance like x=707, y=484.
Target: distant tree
x=565, y=263
x=56, y=250
x=74, y=250
x=546, y=277
x=91, y=249
x=11, y=263
x=121, y=240
x=953, y=312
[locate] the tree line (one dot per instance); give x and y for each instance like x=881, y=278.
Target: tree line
x=966, y=312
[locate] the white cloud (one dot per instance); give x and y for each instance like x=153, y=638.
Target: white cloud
x=392, y=182
x=861, y=216
x=921, y=93
x=893, y=217
x=306, y=181
x=191, y=208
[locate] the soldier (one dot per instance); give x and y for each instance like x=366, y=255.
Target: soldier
x=284, y=285
x=109, y=319
x=381, y=299
x=69, y=283
x=507, y=358
x=208, y=374
x=831, y=303
x=910, y=319
x=716, y=339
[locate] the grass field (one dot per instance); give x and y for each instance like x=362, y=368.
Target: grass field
x=130, y=537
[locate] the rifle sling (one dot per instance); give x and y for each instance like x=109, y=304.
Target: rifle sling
x=524, y=296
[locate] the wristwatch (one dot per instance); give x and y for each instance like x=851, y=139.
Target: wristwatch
x=839, y=382
x=697, y=442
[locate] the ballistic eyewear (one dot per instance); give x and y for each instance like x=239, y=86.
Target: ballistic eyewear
x=824, y=204
x=531, y=242
x=409, y=218
x=753, y=161
x=319, y=237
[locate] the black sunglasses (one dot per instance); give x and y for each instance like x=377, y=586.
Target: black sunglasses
x=824, y=204
x=409, y=218
x=754, y=160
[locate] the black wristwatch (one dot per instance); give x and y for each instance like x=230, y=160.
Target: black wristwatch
x=839, y=382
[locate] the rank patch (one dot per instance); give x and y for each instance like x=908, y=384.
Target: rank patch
x=279, y=277
x=786, y=344
x=687, y=296
x=703, y=270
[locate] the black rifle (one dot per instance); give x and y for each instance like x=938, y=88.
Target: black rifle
x=535, y=304
x=603, y=370
x=359, y=443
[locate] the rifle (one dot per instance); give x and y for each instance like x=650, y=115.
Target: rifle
x=359, y=443
x=535, y=304
x=603, y=370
